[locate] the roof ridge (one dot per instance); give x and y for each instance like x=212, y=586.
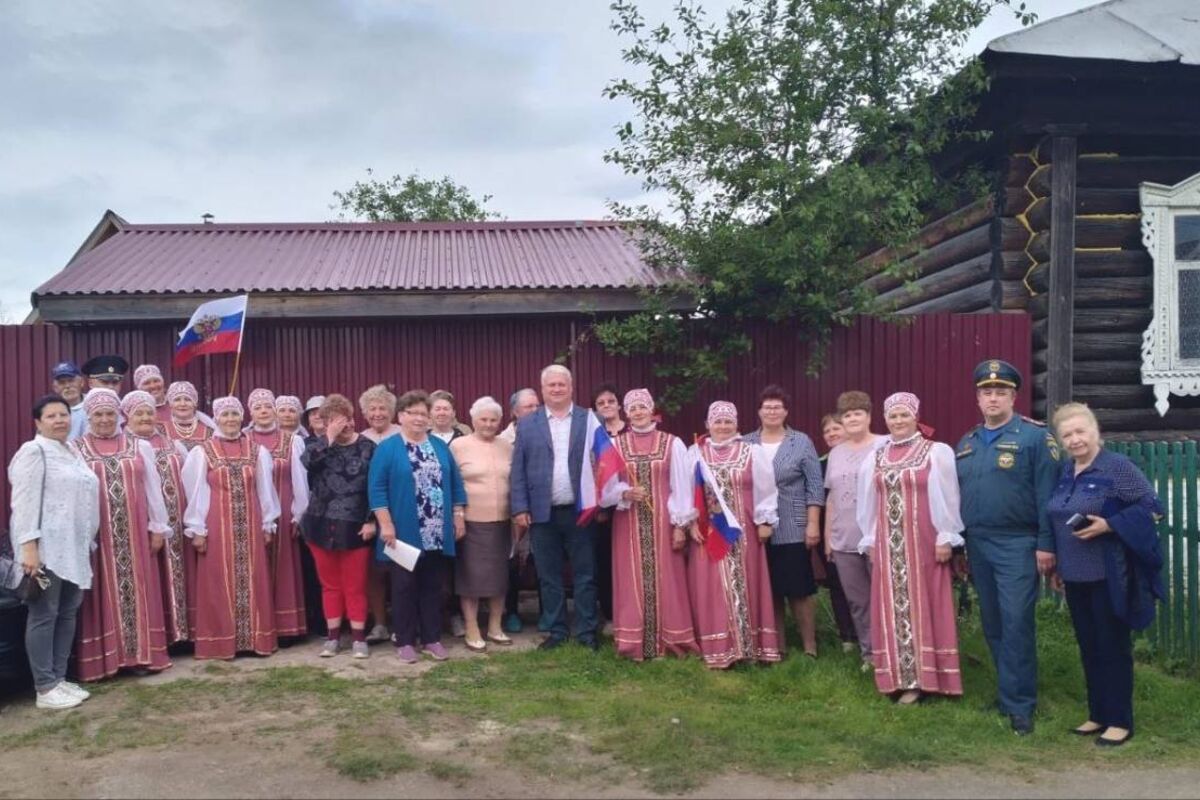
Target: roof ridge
x=377, y=226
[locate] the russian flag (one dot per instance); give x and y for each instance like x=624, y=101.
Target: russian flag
x=714, y=514
x=603, y=467
x=215, y=327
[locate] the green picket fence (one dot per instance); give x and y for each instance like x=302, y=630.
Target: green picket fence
x=1172, y=469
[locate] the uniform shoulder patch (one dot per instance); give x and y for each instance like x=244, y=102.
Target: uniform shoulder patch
x=1052, y=446
x=1033, y=421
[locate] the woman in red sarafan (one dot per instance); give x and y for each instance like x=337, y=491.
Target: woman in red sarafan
x=291, y=486
x=732, y=608
x=231, y=514
x=652, y=614
x=121, y=618
x=908, y=514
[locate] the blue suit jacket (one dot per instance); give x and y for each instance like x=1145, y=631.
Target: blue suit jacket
x=533, y=462
x=390, y=485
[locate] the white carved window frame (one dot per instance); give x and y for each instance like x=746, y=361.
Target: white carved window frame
x=1163, y=367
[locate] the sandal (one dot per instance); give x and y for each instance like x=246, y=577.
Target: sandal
x=476, y=645
x=500, y=638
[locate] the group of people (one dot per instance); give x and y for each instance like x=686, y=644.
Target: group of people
x=155, y=526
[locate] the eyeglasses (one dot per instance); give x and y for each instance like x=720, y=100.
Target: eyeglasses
x=772, y=408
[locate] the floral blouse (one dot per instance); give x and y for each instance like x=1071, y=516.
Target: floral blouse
x=431, y=506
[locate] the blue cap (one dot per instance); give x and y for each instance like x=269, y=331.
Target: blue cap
x=65, y=369
x=995, y=372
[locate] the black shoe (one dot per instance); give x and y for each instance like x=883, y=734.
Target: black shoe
x=1021, y=725
x=591, y=644
x=1081, y=731
x=1102, y=742
x=552, y=642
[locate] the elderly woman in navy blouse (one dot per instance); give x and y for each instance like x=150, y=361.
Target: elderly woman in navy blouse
x=1103, y=514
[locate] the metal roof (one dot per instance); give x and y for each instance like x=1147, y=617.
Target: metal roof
x=1144, y=31
x=354, y=256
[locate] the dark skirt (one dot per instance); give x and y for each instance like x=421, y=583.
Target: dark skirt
x=791, y=570
x=481, y=565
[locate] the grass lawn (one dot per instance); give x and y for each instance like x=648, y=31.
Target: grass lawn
x=572, y=714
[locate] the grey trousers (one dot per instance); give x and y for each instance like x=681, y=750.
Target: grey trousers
x=50, y=632
x=854, y=571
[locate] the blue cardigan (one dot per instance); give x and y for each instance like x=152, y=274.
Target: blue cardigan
x=390, y=485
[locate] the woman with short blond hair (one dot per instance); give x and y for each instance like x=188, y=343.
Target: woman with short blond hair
x=378, y=407
x=1103, y=514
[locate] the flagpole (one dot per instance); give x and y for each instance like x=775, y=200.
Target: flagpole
x=241, y=339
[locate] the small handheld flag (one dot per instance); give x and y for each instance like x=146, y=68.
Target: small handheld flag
x=602, y=465
x=717, y=523
x=215, y=327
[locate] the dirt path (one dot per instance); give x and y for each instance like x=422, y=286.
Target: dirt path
x=268, y=752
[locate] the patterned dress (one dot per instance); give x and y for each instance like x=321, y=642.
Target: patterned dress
x=291, y=486
x=731, y=598
x=177, y=561
x=231, y=499
x=652, y=614
x=427, y=475
x=908, y=504
x=121, y=618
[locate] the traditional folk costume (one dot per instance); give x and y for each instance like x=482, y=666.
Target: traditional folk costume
x=176, y=561
x=731, y=596
x=121, y=618
x=189, y=434
x=291, y=486
x=293, y=402
x=652, y=614
x=907, y=507
x=231, y=500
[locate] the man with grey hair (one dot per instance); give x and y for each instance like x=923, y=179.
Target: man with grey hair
x=520, y=403
x=544, y=485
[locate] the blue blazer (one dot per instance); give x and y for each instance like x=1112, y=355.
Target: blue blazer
x=533, y=462
x=390, y=485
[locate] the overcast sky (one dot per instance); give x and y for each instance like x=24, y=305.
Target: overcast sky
x=163, y=110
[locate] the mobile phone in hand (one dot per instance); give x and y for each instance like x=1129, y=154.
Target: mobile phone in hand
x=1078, y=522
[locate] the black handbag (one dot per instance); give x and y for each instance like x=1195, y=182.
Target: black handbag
x=31, y=587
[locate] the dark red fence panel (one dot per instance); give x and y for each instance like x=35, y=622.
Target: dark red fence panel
x=932, y=356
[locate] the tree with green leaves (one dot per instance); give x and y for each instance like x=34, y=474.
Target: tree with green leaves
x=411, y=198
x=781, y=142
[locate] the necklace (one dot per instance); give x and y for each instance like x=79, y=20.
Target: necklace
x=902, y=442
x=184, y=431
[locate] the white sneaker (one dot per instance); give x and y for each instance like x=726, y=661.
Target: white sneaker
x=360, y=650
x=329, y=648
x=75, y=689
x=379, y=634
x=57, y=698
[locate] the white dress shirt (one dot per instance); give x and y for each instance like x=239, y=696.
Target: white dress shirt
x=562, y=493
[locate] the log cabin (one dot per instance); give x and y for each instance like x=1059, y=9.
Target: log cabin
x=1088, y=112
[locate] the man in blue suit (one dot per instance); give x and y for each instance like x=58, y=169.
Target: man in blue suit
x=547, y=462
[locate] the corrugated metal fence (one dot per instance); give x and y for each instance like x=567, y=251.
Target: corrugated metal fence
x=932, y=356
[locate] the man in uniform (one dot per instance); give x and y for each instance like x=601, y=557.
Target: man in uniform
x=1007, y=468
x=106, y=371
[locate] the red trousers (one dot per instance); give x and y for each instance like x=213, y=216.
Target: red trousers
x=343, y=575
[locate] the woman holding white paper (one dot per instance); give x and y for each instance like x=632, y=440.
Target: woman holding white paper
x=417, y=495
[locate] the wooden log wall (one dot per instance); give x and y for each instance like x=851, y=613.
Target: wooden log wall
x=951, y=264
x=1114, y=284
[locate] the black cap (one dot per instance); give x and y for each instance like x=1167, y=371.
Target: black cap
x=106, y=367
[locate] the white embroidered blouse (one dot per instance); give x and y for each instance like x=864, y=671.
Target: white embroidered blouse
x=199, y=495
x=70, y=509
x=943, y=498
